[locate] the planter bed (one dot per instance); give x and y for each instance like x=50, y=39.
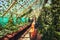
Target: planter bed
x=11, y=35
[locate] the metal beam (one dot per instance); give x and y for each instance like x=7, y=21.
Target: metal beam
x=19, y=15
x=13, y=3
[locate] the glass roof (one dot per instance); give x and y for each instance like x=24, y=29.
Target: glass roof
x=19, y=6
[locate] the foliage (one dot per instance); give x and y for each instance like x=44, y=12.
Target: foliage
x=8, y=26
x=49, y=19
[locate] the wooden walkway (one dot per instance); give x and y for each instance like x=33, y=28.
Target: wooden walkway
x=28, y=37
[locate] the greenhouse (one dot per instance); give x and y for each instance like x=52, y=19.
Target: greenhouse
x=36, y=19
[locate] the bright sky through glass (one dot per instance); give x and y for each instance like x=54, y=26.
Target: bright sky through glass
x=4, y=4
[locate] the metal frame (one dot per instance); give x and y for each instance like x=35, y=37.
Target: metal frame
x=13, y=3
